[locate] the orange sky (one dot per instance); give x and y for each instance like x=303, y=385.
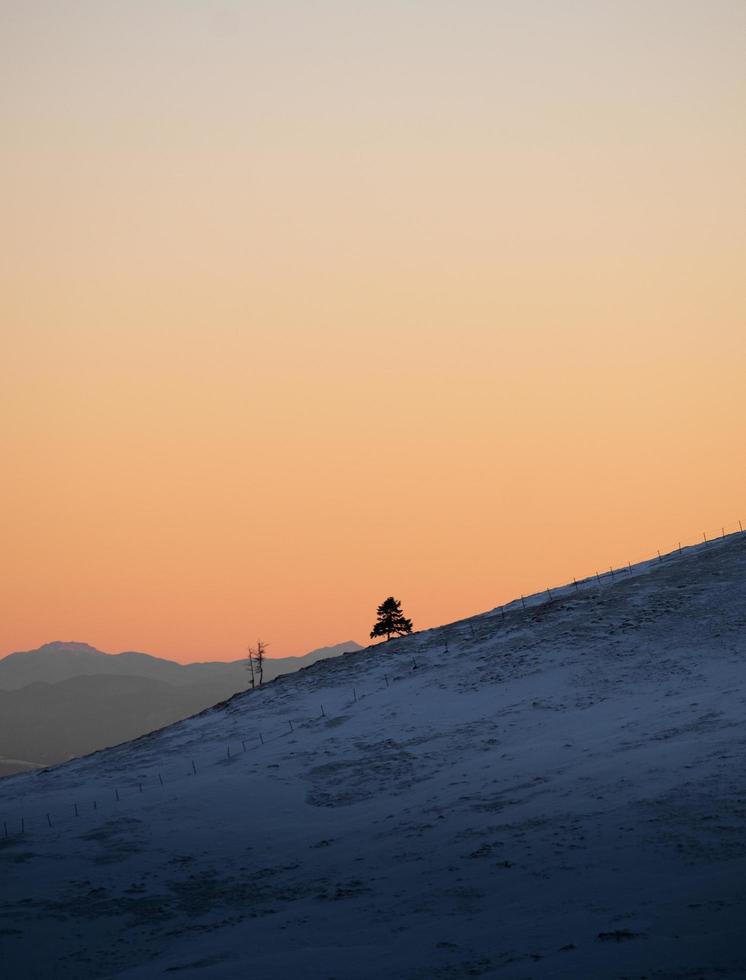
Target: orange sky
x=302, y=305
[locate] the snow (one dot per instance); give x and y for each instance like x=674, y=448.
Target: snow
x=561, y=794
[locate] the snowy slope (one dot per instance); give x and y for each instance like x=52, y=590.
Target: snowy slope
x=555, y=792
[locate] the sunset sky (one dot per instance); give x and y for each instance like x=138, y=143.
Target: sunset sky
x=303, y=304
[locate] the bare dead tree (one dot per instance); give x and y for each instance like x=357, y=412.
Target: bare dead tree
x=256, y=660
x=250, y=668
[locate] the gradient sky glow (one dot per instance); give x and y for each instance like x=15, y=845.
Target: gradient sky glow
x=303, y=304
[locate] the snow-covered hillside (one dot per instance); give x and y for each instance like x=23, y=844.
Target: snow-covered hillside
x=550, y=792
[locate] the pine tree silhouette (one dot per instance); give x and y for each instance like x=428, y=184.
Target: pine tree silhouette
x=391, y=620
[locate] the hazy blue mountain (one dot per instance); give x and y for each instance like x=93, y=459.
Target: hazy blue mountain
x=68, y=699
x=46, y=723
x=9, y=767
x=59, y=661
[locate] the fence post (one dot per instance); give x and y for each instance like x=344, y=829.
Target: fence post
x=228, y=751
x=194, y=768
x=523, y=603
x=243, y=743
x=386, y=678
x=291, y=725
x=160, y=779
x=260, y=738
x=354, y=694
x=575, y=583
x=23, y=826
x=116, y=793
x=76, y=808
x=704, y=537
x=740, y=525
x=5, y=828
x=659, y=554
x=549, y=593
x=49, y=820
x=140, y=785
x=598, y=578
x=679, y=547
x=611, y=569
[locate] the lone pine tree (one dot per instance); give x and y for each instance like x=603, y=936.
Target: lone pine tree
x=391, y=620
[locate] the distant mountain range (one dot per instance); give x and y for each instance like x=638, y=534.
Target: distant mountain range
x=68, y=699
